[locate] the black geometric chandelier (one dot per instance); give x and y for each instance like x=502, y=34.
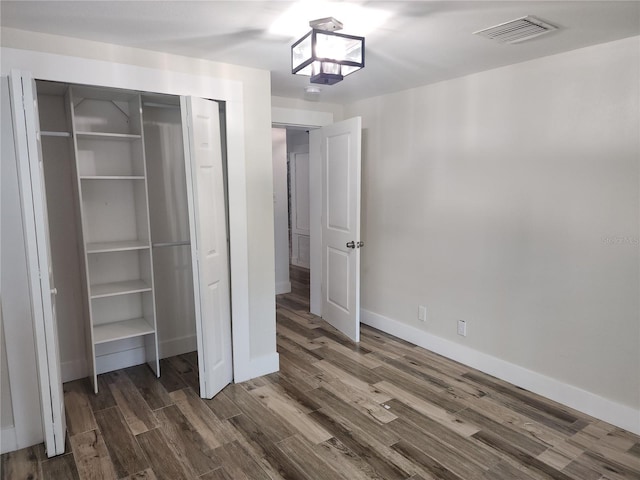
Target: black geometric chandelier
x=326, y=56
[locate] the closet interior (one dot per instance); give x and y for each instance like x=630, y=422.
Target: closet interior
x=116, y=193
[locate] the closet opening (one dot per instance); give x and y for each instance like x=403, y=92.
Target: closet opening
x=130, y=190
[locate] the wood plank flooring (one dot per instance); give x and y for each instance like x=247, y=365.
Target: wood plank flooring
x=383, y=409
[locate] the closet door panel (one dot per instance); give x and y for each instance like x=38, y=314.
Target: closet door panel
x=207, y=214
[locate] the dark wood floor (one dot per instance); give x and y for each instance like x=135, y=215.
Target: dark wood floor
x=383, y=409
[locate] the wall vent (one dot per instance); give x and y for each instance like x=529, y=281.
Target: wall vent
x=517, y=30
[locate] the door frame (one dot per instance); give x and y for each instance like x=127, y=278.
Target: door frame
x=291, y=117
x=76, y=70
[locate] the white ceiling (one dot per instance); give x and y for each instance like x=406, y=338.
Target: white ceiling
x=421, y=42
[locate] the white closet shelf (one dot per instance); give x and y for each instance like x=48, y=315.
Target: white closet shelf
x=108, y=332
x=108, y=136
x=103, y=247
x=102, y=290
x=111, y=177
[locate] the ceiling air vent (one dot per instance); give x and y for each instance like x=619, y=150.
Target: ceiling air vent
x=517, y=30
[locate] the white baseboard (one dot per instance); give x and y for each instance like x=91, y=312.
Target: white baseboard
x=283, y=287
x=574, y=397
x=114, y=360
x=259, y=366
x=177, y=346
x=8, y=440
x=117, y=360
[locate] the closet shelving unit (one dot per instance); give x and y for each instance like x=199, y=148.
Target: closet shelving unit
x=113, y=203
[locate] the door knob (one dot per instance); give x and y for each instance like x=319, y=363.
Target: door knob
x=54, y=291
x=360, y=244
x=351, y=244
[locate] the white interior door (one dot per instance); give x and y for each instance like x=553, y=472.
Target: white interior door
x=32, y=193
x=340, y=151
x=207, y=218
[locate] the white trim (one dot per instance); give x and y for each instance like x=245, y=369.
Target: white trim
x=293, y=117
x=117, y=360
x=8, y=440
x=283, y=287
x=68, y=69
x=177, y=346
x=574, y=397
x=78, y=368
x=262, y=366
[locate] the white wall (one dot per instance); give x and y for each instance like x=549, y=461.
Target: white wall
x=281, y=209
x=510, y=199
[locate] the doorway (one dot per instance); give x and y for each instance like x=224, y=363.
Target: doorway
x=334, y=166
x=291, y=208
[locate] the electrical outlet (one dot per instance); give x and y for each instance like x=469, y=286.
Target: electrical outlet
x=462, y=328
x=422, y=313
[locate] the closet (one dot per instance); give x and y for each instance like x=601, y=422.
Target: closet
x=117, y=181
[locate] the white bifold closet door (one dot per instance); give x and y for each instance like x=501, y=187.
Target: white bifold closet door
x=209, y=249
x=41, y=282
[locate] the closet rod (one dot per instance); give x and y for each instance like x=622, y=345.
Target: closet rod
x=159, y=105
x=172, y=244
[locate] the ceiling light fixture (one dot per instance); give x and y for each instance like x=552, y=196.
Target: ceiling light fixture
x=326, y=56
